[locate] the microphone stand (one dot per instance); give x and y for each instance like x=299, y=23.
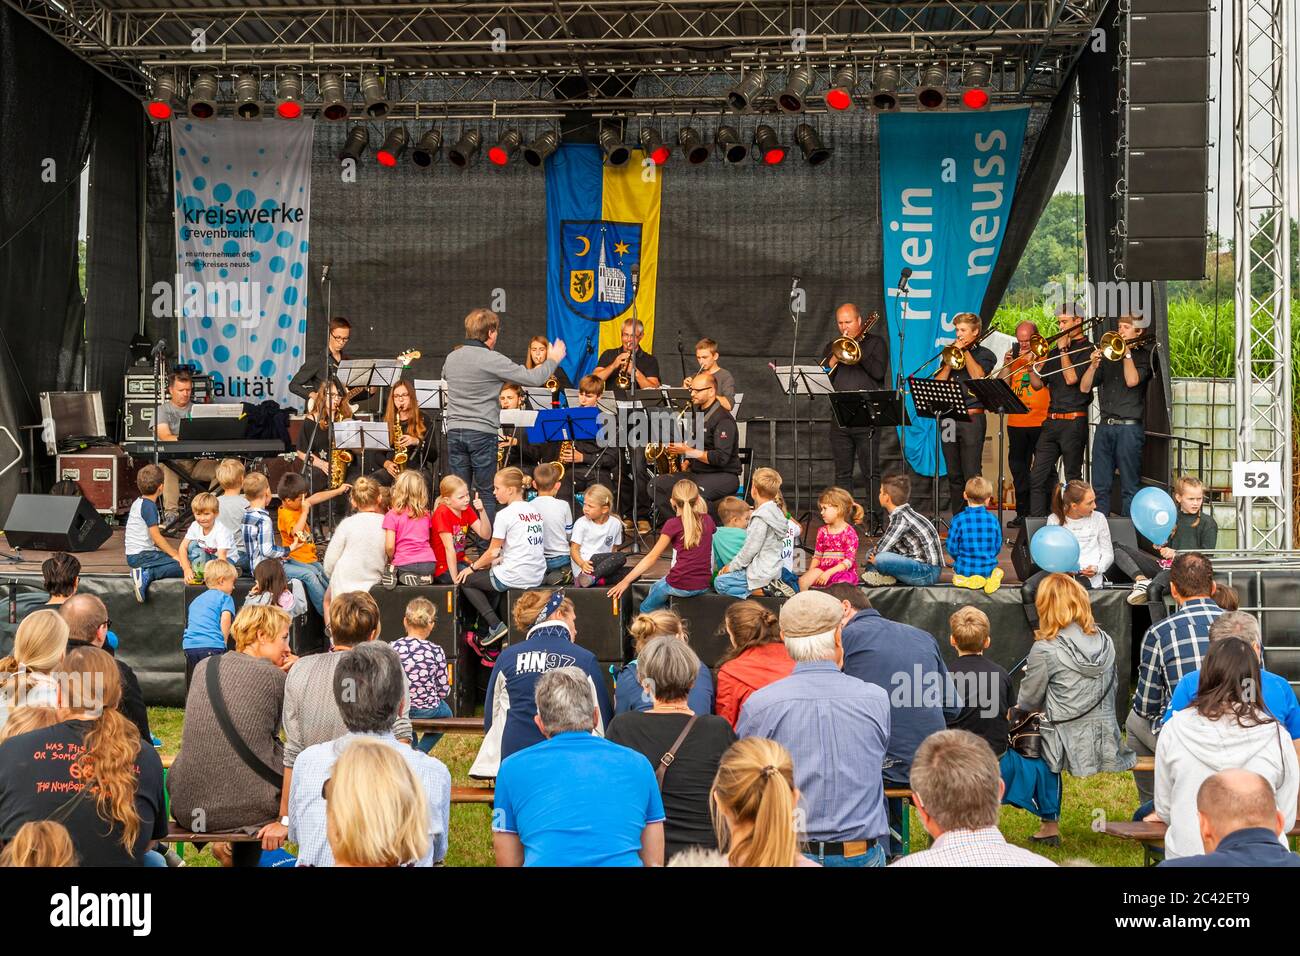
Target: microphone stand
x=636, y=527
x=158, y=390
x=790, y=390
x=903, y=291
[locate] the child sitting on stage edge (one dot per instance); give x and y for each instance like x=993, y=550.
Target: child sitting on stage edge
x=975, y=541
x=758, y=565
x=835, y=557
x=909, y=551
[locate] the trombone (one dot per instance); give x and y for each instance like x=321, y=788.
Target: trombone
x=846, y=350
x=954, y=355
x=1115, y=348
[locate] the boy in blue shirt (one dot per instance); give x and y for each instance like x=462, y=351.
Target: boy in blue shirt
x=209, y=617
x=150, y=556
x=975, y=540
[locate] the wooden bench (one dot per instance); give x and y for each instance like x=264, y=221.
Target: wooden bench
x=1151, y=834
x=449, y=725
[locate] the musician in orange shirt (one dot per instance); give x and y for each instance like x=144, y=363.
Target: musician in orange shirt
x=1023, y=430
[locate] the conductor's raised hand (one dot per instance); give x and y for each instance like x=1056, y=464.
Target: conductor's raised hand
x=556, y=351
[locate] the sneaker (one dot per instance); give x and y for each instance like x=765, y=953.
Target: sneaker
x=168, y=520
x=388, y=577
x=560, y=577
x=415, y=580
x=140, y=583
x=1139, y=593
x=993, y=582
x=495, y=635
x=779, y=588
x=155, y=740
x=877, y=580
x=972, y=582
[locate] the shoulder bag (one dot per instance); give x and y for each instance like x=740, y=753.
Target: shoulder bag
x=667, y=759
x=251, y=760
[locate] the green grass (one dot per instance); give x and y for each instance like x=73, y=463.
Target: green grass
x=1105, y=796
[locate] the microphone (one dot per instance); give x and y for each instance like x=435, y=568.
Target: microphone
x=903, y=277
x=159, y=348
x=325, y=269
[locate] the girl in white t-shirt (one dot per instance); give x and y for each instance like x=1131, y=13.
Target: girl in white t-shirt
x=516, y=555
x=1074, y=507
x=596, y=535
x=356, y=555
x=205, y=540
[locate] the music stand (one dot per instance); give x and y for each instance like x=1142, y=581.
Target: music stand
x=937, y=399
x=878, y=408
x=369, y=373
x=997, y=398
x=431, y=393
x=516, y=418
x=359, y=437
x=809, y=380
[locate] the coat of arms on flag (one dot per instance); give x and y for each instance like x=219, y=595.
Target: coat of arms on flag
x=602, y=264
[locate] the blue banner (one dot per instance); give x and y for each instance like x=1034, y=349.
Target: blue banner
x=946, y=185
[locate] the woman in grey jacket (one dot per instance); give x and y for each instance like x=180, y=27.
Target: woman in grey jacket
x=1070, y=678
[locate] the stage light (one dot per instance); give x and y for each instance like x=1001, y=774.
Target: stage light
x=462, y=154
x=769, y=147
x=654, y=147
x=162, y=105
x=810, y=143
x=203, y=96
x=931, y=92
x=615, y=150
x=536, y=152
x=248, y=97
x=372, y=92
x=394, y=145
x=796, y=85
x=750, y=87
x=729, y=145
x=355, y=145
x=288, y=97
x=696, y=150
x=843, y=85
x=975, y=81
x=505, y=148
x=333, y=106
x=426, y=148
x=884, y=89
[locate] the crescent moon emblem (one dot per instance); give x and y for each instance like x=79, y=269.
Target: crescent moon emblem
x=586, y=246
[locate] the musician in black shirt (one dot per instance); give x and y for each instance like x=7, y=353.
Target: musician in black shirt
x=313, y=440
x=537, y=348
x=588, y=462
x=309, y=378
x=875, y=450
x=1065, y=430
x=715, y=466
x=416, y=439
x=962, y=436
x=614, y=361
x=1121, y=429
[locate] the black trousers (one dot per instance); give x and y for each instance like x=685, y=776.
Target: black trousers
x=1136, y=563
x=1060, y=440
x=485, y=598
x=875, y=450
x=1020, y=459
x=962, y=456
x=714, y=486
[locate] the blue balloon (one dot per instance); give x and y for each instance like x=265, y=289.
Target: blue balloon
x=1154, y=514
x=1055, y=549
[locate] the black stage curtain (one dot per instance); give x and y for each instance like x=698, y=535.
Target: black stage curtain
x=113, y=252
x=1099, y=136
x=45, y=108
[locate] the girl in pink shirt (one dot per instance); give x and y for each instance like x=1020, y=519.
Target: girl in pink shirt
x=835, y=557
x=408, y=530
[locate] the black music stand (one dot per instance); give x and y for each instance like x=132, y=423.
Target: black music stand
x=998, y=399
x=937, y=399
x=431, y=393
x=637, y=400
x=876, y=408
x=809, y=380
x=558, y=425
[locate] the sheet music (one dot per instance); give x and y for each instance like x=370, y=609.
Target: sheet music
x=365, y=436
x=429, y=392
x=519, y=417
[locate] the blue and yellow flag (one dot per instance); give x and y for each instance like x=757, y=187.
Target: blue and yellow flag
x=602, y=241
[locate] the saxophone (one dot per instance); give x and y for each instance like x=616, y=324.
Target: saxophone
x=339, y=461
x=399, y=456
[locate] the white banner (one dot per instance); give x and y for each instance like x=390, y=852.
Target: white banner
x=243, y=204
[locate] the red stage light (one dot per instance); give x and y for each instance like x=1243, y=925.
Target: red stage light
x=660, y=155
x=289, y=109
x=975, y=99
x=774, y=157
x=498, y=156
x=838, y=99
x=386, y=158
x=159, y=110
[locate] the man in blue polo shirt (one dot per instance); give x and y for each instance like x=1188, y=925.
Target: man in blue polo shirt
x=1278, y=696
x=575, y=799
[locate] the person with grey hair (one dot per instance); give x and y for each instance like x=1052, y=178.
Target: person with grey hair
x=957, y=790
x=87, y=620
x=684, y=747
x=370, y=688
x=575, y=799
x=837, y=729
x=1279, y=698
x=1240, y=823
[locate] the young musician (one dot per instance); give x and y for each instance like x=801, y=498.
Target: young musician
x=513, y=447
x=963, y=452
x=612, y=361
x=714, y=467
x=313, y=438
x=537, y=347
x=1121, y=429
x=588, y=462
x=167, y=426
x=871, y=373
x=1023, y=430
x=1065, y=431
x=417, y=439
x=706, y=353
x=309, y=378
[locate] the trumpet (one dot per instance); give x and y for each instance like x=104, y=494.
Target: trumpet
x=846, y=350
x=1115, y=348
x=954, y=356
x=623, y=377
x=552, y=384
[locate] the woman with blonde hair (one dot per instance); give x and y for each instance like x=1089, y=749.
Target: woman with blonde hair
x=537, y=347
x=754, y=801
x=42, y=843
x=375, y=810
x=629, y=695
x=26, y=678
x=690, y=534
x=357, y=552
x=1069, y=680
x=212, y=786
x=110, y=794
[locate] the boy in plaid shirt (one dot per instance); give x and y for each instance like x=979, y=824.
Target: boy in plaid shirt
x=975, y=540
x=258, y=530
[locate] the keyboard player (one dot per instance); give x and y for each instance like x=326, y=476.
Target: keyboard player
x=200, y=472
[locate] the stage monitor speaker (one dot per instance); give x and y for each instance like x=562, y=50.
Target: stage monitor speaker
x=55, y=523
x=602, y=622
x=1168, y=34
x=1180, y=170
x=1150, y=260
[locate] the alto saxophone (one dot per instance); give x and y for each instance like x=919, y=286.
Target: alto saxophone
x=340, y=458
x=399, y=456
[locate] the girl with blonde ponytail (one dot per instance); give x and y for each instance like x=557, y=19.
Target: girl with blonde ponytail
x=25, y=676
x=690, y=534
x=754, y=800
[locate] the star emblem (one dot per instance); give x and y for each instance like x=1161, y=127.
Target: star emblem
x=621, y=248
